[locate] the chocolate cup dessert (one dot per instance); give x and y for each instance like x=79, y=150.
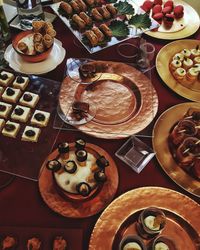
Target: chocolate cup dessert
x=151, y=222
x=163, y=241
x=132, y=239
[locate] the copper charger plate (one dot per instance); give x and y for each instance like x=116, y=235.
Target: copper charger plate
x=160, y=144
x=192, y=24
x=119, y=218
x=190, y=91
x=67, y=207
x=125, y=100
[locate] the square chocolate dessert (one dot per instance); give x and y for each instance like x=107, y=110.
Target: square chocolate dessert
x=21, y=82
x=40, y=118
x=6, y=78
x=11, y=129
x=31, y=134
x=5, y=109
x=11, y=95
x=29, y=99
x=21, y=113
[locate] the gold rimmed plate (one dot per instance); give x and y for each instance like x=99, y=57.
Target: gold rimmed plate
x=161, y=132
x=68, y=207
x=182, y=28
x=190, y=91
x=125, y=100
x=122, y=214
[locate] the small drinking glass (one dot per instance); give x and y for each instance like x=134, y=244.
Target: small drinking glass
x=151, y=222
x=147, y=53
x=128, y=50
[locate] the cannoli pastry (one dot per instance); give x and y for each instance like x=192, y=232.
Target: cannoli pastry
x=48, y=25
x=90, y=2
x=175, y=64
x=104, y=12
x=79, y=21
x=96, y=15
x=39, y=47
x=186, y=52
x=23, y=47
x=178, y=56
x=82, y=5
x=75, y=6
x=111, y=8
x=180, y=74
x=59, y=243
x=187, y=63
x=93, y=39
x=197, y=60
x=195, y=52
x=85, y=18
x=98, y=33
x=37, y=37
x=66, y=7
x=192, y=74
x=106, y=30
x=38, y=25
x=51, y=32
x=48, y=40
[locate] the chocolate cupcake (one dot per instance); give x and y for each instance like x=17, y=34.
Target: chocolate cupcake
x=54, y=165
x=83, y=189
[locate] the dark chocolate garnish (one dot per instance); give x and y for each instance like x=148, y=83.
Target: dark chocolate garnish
x=2, y=108
x=9, y=127
x=83, y=188
x=80, y=144
x=102, y=162
x=30, y=133
x=39, y=117
x=20, y=79
x=70, y=167
x=3, y=76
x=10, y=92
x=27, y=97
x=54, y=165
x=63, y=148
x=80, y=107
x=19, y=111
x=100, y=176
x=81, y=155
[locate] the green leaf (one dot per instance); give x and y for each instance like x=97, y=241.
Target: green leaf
x=125, y=8
x=111, y=1
x=119, y=28
x=141, y=21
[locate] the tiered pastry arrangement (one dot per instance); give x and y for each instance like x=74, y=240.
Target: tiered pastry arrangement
x=34, y=243
x=184, y=142
x=185, y=65
x=18, y=107
x=78, y=171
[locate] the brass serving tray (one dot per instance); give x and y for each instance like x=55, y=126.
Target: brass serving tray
x=125, y=100
x=119, y=218
x=160, y=144
x=68, y=207
x=163, y=59
x=191, y=26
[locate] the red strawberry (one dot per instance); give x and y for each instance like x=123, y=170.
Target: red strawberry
x=147, y=5
x=155, y=2
x=178, y=11
x=157, y=9
x=167, y=10
x=168, y=20
x=169, y=3
x=158, y=17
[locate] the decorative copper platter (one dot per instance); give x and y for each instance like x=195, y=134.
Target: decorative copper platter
x=82, y=209
x=189, y=91
x=125, y=100
x=190, y=22
x=120, y=216
x=160, y=144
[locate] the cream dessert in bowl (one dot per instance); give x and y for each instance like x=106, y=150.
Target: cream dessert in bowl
x=132, y=242
x=163, y=243
x=151, y=222
x=78, y=170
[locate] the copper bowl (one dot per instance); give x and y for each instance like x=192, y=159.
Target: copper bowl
x=29, y=58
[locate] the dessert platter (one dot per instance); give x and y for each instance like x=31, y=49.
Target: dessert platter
x=78, y=179
x=148, y=222
x=35, y=51
x=99, y=24
x=178, y=65
x=124, y=98
x=176, y=143
x=26, y=107
x=37, y=238
x=177, y=19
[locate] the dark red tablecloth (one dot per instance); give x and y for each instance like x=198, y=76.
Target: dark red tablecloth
x=21, y=203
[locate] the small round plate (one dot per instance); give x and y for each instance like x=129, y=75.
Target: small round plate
x=163, y=59
x=122, y=214
x=56, y=56
x=82, y=209
x=160, y=144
